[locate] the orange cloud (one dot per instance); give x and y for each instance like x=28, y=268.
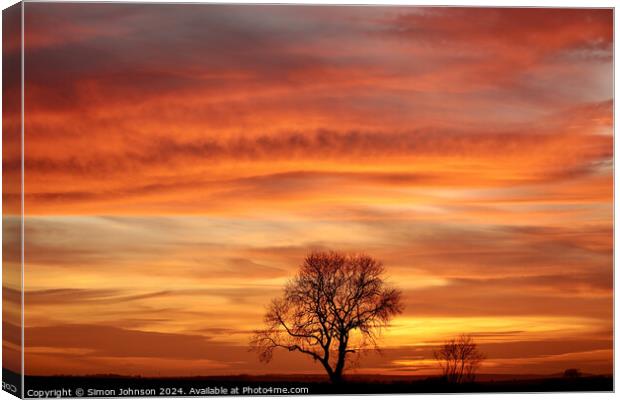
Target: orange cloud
x=177, y=174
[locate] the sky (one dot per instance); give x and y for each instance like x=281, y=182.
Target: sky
x=180, y=161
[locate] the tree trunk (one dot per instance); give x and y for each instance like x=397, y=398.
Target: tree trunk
x=336, y=377
x=342, y=355
x=333, y=376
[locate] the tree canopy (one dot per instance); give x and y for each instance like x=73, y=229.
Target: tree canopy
x=335, y=306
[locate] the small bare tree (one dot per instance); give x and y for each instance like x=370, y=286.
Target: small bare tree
x=459, y=359
x=333, y=307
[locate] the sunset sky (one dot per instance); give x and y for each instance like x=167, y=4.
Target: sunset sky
x=182, y=159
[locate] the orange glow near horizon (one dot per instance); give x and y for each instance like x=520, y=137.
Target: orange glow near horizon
x=182, y=159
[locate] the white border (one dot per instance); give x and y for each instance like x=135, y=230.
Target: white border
x=471, y=3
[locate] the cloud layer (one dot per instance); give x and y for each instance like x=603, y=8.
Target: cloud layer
x=181, y=160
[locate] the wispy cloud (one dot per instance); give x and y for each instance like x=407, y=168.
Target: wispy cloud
x=178, y=173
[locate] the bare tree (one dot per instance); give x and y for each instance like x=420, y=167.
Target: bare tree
x=335, y=306
x=459, y=359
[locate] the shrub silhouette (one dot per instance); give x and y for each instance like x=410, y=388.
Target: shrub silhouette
x=572, y=373
x=334, y=307
x=459, y=359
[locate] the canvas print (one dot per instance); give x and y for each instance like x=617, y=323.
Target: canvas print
x=207, y=199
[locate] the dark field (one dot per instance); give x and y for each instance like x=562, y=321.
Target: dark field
x=122, y=386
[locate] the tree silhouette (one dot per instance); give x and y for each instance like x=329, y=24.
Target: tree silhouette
x=335, y=306
x=572, y=373
x=459, y=359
